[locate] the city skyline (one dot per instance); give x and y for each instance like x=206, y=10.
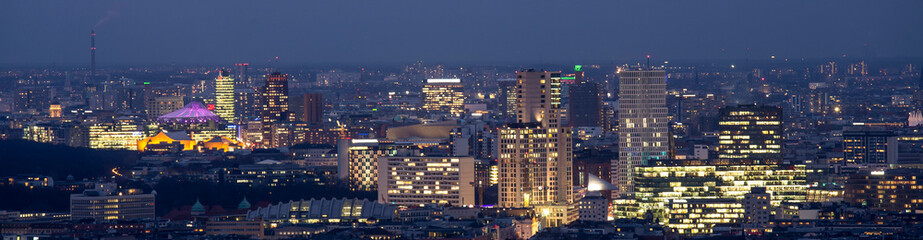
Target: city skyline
x=461, y=120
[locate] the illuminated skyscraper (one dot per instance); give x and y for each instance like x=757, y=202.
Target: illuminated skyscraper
x=275, y=104
x=643, y=128
x=750, y=133
x=247, y=103
x=224, y=96
x=535, y=152
x=444, y=95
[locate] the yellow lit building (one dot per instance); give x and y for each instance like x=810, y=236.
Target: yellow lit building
x=43, y=132
x=357, y=162
x=274, y=100
x=162, y=140
x=898, y=190
x=683, y=179
x=206, y=135
x=221, y=143
x=535, y=153
x=750, y=132
x=224, y=96
x=556, y=215
x=54, y=111
x=699, y=216
x=444, y=95
x=415, y=181
x=120, y=134
x=535, y=165
x=658, y=186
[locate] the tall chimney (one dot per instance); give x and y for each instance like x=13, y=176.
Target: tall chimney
x=92, y=54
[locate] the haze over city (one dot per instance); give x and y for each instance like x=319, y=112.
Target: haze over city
x=484, y=32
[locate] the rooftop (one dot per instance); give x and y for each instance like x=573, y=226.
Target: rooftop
x=193, y=112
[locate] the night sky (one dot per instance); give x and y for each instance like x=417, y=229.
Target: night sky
x=486, y=32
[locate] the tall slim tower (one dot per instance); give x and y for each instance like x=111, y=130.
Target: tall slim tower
x=586, y=102
x=224, y=96
x=92, y=54
x=312, y=108
x=643, y=126
x=507, y=98
x=243, y=79
x=535, y=152
x=274, y=102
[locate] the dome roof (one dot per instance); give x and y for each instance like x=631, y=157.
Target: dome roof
x=193, y=112
x=244, y=204
x=198, y=207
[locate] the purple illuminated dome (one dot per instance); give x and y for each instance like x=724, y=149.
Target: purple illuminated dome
x=193, y=112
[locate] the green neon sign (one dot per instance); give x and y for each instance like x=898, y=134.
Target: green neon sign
x=578, y=68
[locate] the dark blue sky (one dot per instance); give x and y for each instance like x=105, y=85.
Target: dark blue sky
x=311, y=32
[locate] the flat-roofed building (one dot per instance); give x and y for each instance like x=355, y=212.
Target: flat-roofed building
x=700, y=216
x=444, y=95
x=421, y=180
x=750, y=132
x=96, y=204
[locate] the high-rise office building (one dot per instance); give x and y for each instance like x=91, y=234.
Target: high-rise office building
x=751, y=133
x=586, y=102
x=538, y=97
x=444, y=96
x=535, y=163
x=247, y=103
x=274, y=100
x=643, y=126
x=224, y=96
x=312, y=108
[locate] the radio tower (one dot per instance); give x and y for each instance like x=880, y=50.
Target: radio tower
x=92, y=54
